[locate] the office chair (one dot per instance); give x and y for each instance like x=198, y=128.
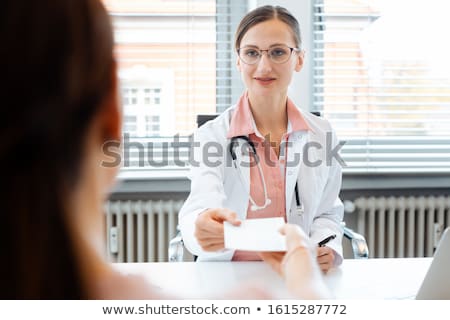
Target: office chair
x=358, y=242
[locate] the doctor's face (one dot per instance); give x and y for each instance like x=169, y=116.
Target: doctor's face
x=267, y=77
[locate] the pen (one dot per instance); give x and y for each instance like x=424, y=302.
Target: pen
x=326, y=240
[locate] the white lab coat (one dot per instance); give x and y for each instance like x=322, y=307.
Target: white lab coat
x=215, y=183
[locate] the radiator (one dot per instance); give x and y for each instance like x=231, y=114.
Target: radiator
x=139, y=231
x=402, y=226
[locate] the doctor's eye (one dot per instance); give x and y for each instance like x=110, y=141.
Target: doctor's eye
x=279, y=52
x=251, y=53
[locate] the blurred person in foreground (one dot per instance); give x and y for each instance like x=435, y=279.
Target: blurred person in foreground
x=59, y=107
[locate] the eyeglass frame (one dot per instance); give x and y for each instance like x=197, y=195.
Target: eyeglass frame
x=260, y=52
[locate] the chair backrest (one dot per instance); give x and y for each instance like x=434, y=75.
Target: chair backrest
x=203, y=118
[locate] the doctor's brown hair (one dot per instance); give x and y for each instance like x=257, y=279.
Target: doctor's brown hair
x=266, y=13
x=57, y=63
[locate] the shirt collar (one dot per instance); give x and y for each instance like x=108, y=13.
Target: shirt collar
x=243, y=124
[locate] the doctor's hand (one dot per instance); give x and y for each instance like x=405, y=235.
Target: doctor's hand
x=325, y=258
x=209, y=227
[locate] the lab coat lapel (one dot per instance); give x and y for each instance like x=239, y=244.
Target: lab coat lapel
x=243, y=162
x=293, y=163
x=302, y=170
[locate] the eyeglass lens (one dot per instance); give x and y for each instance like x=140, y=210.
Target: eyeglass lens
x=278, y=54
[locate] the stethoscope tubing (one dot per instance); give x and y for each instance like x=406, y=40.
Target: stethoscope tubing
x=267, y=200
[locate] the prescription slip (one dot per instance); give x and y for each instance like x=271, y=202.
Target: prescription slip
x=255, y=235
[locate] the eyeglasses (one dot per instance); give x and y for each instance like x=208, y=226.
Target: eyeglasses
x=277, y=54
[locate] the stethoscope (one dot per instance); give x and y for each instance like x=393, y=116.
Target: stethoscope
x=267, y=201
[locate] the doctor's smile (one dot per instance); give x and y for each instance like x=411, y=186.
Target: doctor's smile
x=265, y=81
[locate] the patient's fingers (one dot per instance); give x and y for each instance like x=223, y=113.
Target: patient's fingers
x=295, y=236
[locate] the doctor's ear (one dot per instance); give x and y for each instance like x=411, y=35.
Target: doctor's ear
x=238, y=64
x=300, y=60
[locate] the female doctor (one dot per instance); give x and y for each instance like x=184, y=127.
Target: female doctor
x=263, y=157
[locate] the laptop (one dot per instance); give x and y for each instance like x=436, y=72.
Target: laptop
x=436, y=284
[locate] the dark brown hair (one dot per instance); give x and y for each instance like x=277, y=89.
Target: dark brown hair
x=56, y=60
x=265, y=13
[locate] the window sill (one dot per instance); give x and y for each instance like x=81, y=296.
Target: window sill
x=176, y=181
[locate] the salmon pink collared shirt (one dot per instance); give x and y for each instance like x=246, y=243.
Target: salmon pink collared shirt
x=272, y=166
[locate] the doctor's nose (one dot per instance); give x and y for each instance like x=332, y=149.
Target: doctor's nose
x=264, y=64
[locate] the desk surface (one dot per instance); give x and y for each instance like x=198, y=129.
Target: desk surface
x=354, y=279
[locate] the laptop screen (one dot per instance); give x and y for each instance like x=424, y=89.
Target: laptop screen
x=436, y=284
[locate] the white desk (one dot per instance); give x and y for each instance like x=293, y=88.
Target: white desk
x=355, y=279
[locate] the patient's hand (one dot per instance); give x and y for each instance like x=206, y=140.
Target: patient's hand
x=273, y=259
x=295, y=237
x=298, y=266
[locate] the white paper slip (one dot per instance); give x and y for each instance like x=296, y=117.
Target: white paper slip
x=255, y=235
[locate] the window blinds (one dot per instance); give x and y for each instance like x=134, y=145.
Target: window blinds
x=229, y=86
x=382, y=77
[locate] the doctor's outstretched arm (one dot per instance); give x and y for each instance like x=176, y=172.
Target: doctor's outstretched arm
x=209, y=227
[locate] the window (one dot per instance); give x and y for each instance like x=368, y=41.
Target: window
x=175, y=61
x=130, y=125
x=142, y=107
x=129, y=96
x=152, y=125
x=152, y=96
x=381, y=75
x=166, y=52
